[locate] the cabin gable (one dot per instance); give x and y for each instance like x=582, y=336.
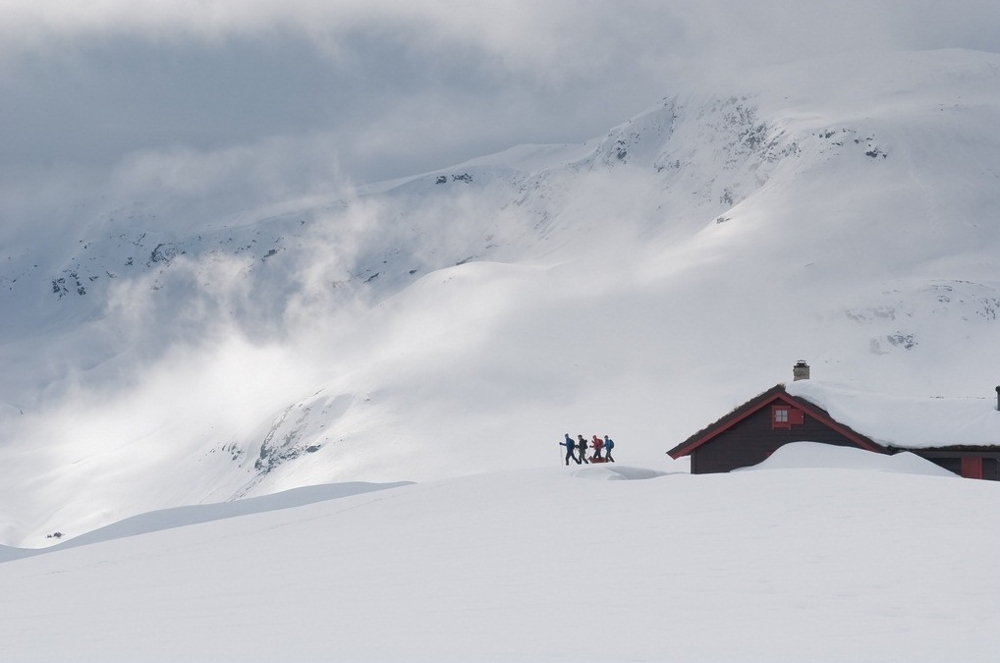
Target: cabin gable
x=751, y=433
x=753, y=439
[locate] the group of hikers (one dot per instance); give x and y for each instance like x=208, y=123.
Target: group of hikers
x=580, y=446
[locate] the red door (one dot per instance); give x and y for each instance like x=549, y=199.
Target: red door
x=972, y=468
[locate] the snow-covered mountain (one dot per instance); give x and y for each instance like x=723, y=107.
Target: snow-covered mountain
x=171, y=352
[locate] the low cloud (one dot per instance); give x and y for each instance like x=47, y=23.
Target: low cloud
x=189, y=95
x=271, y=170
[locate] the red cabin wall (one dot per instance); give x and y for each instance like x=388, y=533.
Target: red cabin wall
x=972, y=467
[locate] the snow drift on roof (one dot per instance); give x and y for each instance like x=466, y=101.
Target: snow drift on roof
x=900, y=421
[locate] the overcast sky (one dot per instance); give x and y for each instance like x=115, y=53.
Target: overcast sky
x=288, y=95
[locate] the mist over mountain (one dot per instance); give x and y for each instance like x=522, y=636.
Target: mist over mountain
x=188, y=348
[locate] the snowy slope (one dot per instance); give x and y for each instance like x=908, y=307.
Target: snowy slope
x=183, y=516
x=840, y=211
x=599, y=564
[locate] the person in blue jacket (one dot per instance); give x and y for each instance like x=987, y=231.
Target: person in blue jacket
x=570, y=445
x=609, y=444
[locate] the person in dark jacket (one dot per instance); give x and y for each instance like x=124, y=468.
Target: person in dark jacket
x=609, y=444
x=581, y=446
x=570, y=446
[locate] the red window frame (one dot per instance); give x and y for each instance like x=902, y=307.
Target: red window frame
x=786, y=416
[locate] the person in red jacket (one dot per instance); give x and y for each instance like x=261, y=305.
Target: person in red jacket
x=598, y=445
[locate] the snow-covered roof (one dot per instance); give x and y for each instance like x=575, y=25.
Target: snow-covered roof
x=907, y=422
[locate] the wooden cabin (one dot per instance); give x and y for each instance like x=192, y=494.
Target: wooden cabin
x=960, y=435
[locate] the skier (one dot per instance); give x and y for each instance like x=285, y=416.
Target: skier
x=609, y=444
x=570, y=446
x=581, y=446
x=598, y=444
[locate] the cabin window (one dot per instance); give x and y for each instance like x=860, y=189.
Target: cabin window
x=785, y=416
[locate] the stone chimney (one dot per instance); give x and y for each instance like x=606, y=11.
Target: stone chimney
x=801, y=372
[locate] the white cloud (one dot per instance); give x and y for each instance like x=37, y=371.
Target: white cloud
x=523, y=32
x=271, y=169
x=282, y=95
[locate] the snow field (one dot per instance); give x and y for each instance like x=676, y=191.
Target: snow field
x=561, y=564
